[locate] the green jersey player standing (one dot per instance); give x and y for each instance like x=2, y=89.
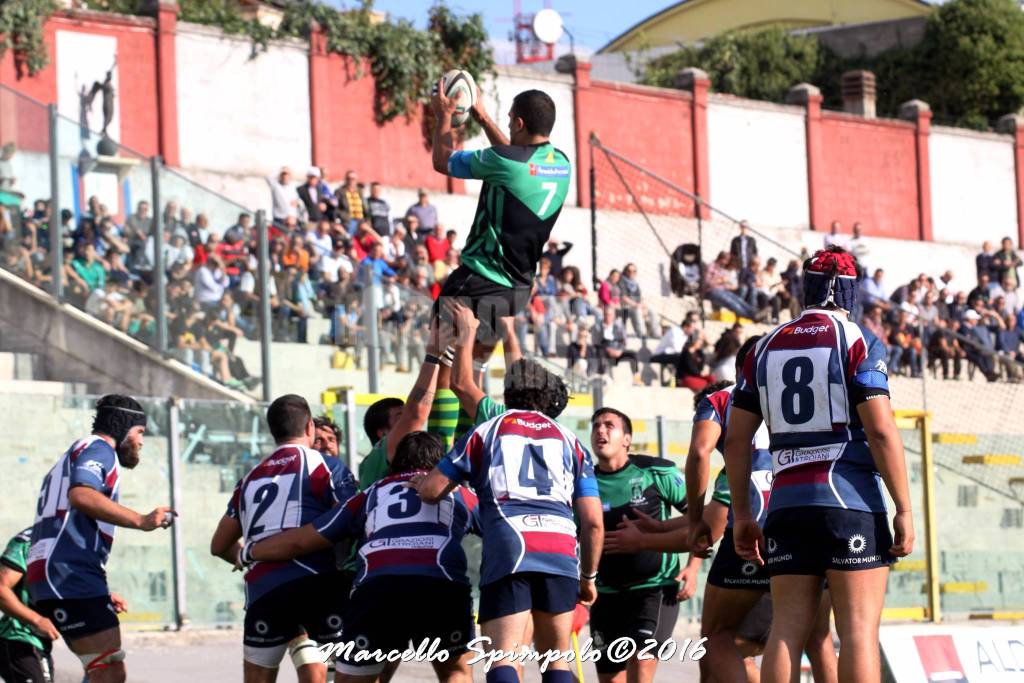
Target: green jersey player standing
x=525, y=182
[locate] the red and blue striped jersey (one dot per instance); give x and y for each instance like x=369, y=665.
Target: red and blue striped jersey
x=69, y=549
x=806, y=379
x=289, y=488
x=527, y=470
x=401, y=534
x=715, y=407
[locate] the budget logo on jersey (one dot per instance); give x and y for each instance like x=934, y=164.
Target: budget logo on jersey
x=549, y=171
x=811, y=329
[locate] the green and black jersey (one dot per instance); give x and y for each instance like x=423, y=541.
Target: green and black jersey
x=523, y=192
x=651, y=485
x=16, y=557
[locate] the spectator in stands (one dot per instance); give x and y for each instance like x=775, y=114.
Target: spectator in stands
x=373, y=268
x=233, y=253
x=582, y=348
x=445, y=268
x=1008, y=342
x=858, y=247
x=720, y=287
x=452, y=236
x=425, y=214
x=137, y=229
x=774, y=288
x=610, y=337
x=351, y=205
x=743, y=247
x=723, y=363
x=944, y=347
x=420, y=265
x=835, y=237
x=690, y=370
x=240, y=231
x=904, y=345
x=609, y=293
x=556, y=252
x=177, y=250
x=296, y=254
x=319, y=241
x=572, y=287
x=299, y=301
x=379, y=211
x=1005, y=263
x=1006, y=294
x=314, y=205
x=633, y=307
x=872, y=291
x=331, y=266
x=89, y=268
x=210, y=282
x=984, y=262
x=982, y=349
x=437, y=244
x=283, y=195
x=983, y=292
x=394, y=249
x=226, y=322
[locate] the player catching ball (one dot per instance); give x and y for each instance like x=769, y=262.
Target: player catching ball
x=525, y=182
x=820, y=384
x=74, y=530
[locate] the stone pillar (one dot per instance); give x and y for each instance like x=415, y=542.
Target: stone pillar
x=1013, y=124
x=319, y=107
x=699, y=85
x=858, y=89
x=581, y=73
x=809, y=97
x=167, y=81
x=920, y=114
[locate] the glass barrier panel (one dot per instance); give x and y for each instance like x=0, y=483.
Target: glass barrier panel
x=140, y=567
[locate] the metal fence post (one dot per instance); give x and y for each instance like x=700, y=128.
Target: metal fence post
x=56, y=227
x=177, y=540
x=662, y=443
x=597, y=392
x=351, y=435
x=266, y=336
x=159, y=268
x=371, y=290
x=930, y=533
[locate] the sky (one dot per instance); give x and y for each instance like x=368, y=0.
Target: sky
x=592, y=22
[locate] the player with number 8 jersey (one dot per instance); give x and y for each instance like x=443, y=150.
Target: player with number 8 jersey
x=820, y=384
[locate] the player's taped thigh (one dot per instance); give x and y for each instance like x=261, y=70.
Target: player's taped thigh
x=304, y=650
x=94, y=662
x=267, y=657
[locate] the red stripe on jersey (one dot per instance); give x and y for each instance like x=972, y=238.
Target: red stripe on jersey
x=549, y=542
x=858, y=353
x=284, y=460
x=720, y=402
x=78, y=451
x=475, y=451
x=111, y=479
x=468, y=498
x=353, y=504
x=808, y=331
x=319, y=481
x=815, y=473
x=531, y=425
x=108, y=539
x=36, y=571
x=262, y=569
x=400, y=557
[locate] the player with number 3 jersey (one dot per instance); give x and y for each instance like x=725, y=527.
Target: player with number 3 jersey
x=820, y=384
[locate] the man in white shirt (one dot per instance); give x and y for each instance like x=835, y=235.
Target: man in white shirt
x=283, y=195
x=835, y=238
x=319, y=239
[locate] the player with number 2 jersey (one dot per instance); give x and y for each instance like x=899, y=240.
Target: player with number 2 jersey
x=819, y=382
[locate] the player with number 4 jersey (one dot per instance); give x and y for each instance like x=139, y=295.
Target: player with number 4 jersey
x=284, y=601
x=530, y=475
x=820, y=384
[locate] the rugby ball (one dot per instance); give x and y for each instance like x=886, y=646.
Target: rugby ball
x=458, y=83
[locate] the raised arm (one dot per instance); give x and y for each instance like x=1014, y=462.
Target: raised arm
x=421, y=397
x=444, y=137
x=494, y=134
x=462, y=380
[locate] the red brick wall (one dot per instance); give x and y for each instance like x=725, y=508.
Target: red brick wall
x=869, y=174
x=650, y=127
x=348, y=136
x=136, y=64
